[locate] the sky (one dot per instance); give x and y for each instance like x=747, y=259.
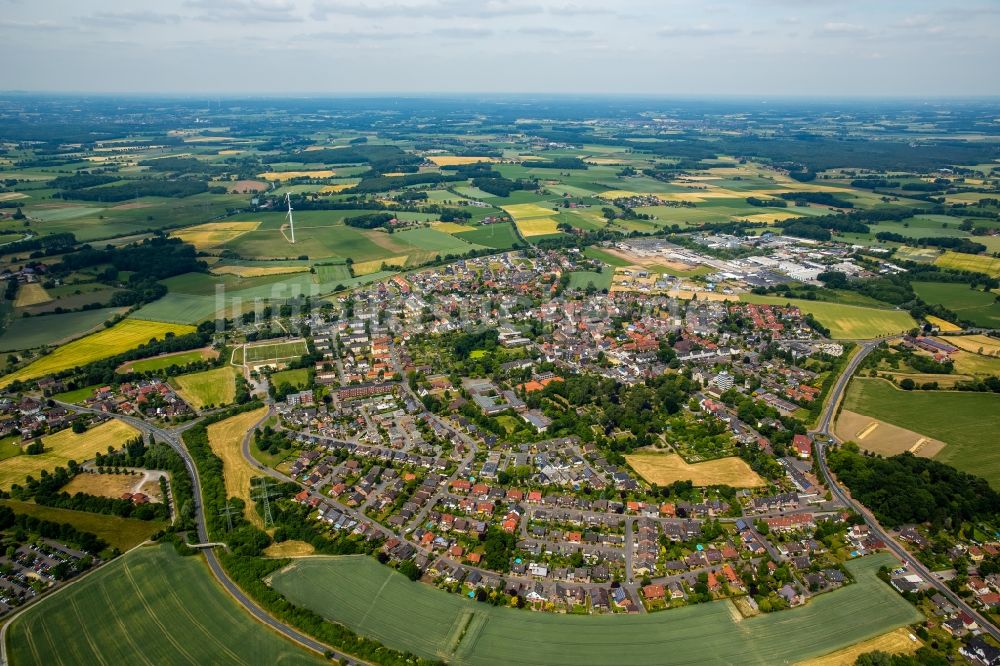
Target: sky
x=834, y=48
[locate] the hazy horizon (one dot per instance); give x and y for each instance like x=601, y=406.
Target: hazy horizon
x=727, y=48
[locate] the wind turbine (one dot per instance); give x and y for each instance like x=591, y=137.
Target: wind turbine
x=291, y=220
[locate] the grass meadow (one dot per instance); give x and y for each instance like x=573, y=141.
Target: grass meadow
x=215, y=387
x=63, y=446
x=979, y=307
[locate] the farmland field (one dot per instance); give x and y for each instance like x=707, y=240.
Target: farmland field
x=381, y=603
x=151, y=606
x=120, y=533
x=258, y=271
x=226, y=439
x=31, y=332
x=258, y=353
x=969, y=262
x=979, y=307
x=849, y=322
x=500, y=236
x=211, y=387
x=665, y=468
x=31, y=294
x=894, y=642
x=977, y=344
x=210, y=234
x=121, y=337
x=958, y=419
x=64, y=446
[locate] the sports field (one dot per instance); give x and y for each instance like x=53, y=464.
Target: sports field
x=979, y=307
x=226, y=440
x=214, y=387
x=149, y=607
x=118, y=532
x=969, y=262
x=377, y=601
x=665, y=468
x=260, y=353
x=846, y=322
x=959, y=419
x=121, y=337
x=64, y=446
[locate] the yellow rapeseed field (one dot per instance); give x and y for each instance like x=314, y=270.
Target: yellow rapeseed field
x=121, y=337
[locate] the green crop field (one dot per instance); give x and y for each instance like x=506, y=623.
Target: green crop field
x=381, y=603
x=435, y=241
x=500, y=236
x=274, y=351
x=51, y=329
x=149, y=607
x=979, y=307
x=849, y=322
x=958, y=419
x=120, y=533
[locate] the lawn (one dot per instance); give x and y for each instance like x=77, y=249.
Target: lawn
x=958, y=419
x=581, y=279
x=969, y=262
x=665, y=468
x=299, y=378
x=31, y=332
x=381, y=603
x=151, y=606
x=121, y=337
x=274, y=351
x=120, y=533
x=64, y=446
x=214, y=387
x=979, y=307
x=226, y=440
x=166, y=360
x=848, y=322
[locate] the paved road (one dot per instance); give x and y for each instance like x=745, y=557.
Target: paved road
x=172, y=437
x=841, y=493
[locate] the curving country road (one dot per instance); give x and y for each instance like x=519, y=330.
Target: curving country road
x=841, y=493
x=172, y=437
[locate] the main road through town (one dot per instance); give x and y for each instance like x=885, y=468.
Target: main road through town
x=826, y=436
